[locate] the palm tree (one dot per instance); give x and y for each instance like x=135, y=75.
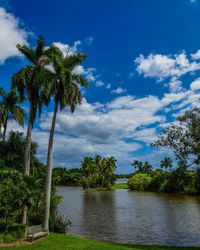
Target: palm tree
x=66, y=92
x=109, y=167
x=166, y=163
x=9, y=109
x=137, y=165
x=28, y=82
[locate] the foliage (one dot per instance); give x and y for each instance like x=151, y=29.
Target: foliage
x=98, y=172
x=67, y=177
x=12, y=151
x=14, y=195
x=183, y=138
x=58, y=222
x=140, y=167
x=166, y=163
x=10, y=110
x=139, y=182
x=32, y=187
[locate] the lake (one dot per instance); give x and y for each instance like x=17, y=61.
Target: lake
x=132, y=217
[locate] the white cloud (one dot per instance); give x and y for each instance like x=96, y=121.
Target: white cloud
x=195, y=85
x=99, y=83
x=196, y=55
x=164, y=66
x=108, y=86
x=174, y=97
x=102, y=128
x=10, y=34
x=175, y=85
x=118, y=91
x=66, y=49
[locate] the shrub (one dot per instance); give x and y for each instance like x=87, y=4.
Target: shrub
x=139, y=182
x=159, y=177
x=58, y=223
x=8, y=238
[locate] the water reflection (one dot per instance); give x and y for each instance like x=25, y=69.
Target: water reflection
x=133, y=217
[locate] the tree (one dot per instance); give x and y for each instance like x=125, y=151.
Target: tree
x=140, y=182
x=141, y=167
x=183, y=138
x=109, y=168
x=10, y=110
x=98, y=172
x=12, y=151
x=166, y=163
x=28, y=82
x=137, y=165
x=14, y=195
x=66, y=92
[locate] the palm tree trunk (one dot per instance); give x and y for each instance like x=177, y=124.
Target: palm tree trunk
x=5, y=128
x=27, y=156
x=49, y=170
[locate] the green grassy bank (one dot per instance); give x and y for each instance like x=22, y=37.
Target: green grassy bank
x=69, y=242
x=119, y=186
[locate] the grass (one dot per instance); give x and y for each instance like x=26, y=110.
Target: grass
x=69, y=242
x=119, y=186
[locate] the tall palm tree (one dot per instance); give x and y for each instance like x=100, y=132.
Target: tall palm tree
x=166, y=163
x=66, y=92
x=10, y=110
x=28, y=82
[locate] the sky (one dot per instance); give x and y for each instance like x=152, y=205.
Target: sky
x=143, y=65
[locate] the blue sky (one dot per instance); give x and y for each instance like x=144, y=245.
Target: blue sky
x=143, y=64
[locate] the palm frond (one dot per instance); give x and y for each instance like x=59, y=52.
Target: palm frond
x=72, y=61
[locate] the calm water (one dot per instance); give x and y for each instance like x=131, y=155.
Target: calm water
x=133, y=217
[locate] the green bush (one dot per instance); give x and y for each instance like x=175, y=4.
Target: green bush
x=159, y=178
x=139, y=182
x=7, y=238
x=58, y=222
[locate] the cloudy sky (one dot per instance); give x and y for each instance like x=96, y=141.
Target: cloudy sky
x=143, y=65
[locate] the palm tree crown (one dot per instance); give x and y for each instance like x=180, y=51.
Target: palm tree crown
x=10, y=110
x=166, y=163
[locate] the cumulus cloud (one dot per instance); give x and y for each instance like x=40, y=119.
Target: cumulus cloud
x=11, y=34
x=164, y=66
x=118, y=91
x=175, y=85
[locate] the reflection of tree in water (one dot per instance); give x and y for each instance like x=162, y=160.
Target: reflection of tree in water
x=99, y=216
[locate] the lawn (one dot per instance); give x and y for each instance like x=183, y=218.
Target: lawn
x=69, y=242
x=119, y=186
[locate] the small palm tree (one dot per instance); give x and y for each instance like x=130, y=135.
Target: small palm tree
x=109, y=168
x=166, y=163
x=137, y=165
x=10, y=110
x=64, y=84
